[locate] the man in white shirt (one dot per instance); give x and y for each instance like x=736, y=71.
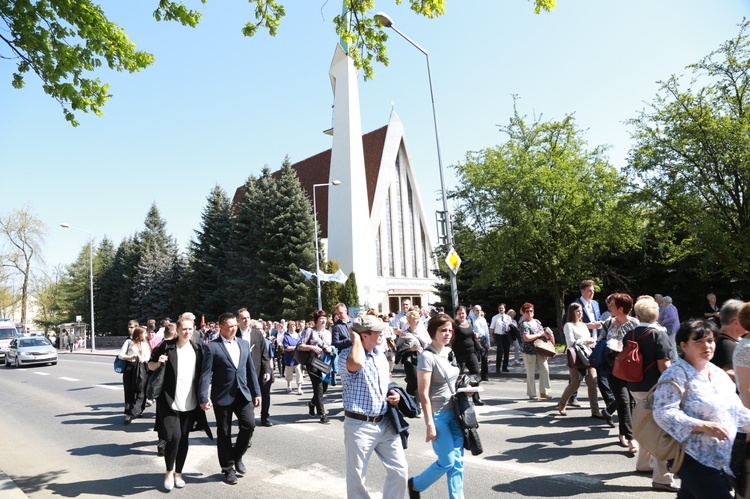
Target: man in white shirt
x=483, y=335
x=501, y=338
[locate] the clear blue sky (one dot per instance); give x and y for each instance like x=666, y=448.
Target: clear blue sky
x=216, y=106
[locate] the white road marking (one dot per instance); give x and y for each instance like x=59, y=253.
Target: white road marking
x=69, y=379
x=41, y=373
x=110, y=387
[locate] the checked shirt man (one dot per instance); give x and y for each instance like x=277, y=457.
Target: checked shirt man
x=365, y=376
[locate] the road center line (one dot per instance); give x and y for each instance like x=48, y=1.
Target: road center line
x=69, y=379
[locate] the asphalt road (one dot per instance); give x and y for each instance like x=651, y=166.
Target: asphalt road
x=63, y=437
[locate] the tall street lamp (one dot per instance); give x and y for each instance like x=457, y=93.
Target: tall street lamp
x=385, y=21
x=317, y=253
x=91, y=279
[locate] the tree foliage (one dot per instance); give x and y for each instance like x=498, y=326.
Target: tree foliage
x=20, y=248
x=350, y=293
x=208, y=264
x=65, y=42
x=539, y=210
x=691, y=160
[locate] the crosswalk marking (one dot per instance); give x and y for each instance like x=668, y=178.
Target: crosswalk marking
x=110, y=387
x=68, y=379
x=39, y=373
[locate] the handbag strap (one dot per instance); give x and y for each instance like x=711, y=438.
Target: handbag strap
x=439, y=365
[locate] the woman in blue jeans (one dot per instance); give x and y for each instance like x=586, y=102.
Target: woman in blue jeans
x=436, y=373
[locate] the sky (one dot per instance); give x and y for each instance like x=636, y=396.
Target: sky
x=216, y=107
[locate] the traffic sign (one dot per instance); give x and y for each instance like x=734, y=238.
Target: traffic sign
x=453, y=260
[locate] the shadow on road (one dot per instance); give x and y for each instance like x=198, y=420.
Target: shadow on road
x=569, y=484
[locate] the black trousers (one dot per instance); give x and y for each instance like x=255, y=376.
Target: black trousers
x=410, y=372
x=624, y=403
x=134, y=385
x=701, y=482
x=502, y=342
x=177, y=427
x=243, y=410
x=319, y=389
x=265, y=394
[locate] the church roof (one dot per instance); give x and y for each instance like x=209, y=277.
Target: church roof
x=315, y=170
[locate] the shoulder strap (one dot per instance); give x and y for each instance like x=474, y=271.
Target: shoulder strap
x=439, y=365
x=647, y=331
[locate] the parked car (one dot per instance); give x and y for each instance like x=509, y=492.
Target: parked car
x=29, y=350
x=7, y=333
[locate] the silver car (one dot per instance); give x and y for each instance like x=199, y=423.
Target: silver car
x=30, y=350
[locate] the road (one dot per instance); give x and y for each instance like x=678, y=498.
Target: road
x=63, y=437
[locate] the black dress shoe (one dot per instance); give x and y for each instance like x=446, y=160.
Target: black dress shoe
x=324, y=420
x=230, y=477
x=608, y=418
x=266, y=423
x=413, y=494
x=574, y=403
x=240, y=467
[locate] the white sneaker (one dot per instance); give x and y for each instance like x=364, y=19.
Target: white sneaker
x=289, y=390
x=300, y=392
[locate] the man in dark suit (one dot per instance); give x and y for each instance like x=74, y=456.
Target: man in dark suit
x=261, y=361
x=228, y=370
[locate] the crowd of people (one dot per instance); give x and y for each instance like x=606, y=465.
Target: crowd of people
x=229, y=366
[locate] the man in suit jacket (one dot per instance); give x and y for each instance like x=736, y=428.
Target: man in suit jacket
x=590, y=307
x=261, y=361
x=228, y=370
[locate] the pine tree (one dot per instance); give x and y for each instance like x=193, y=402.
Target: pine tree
x=155, y=281
x=290, y=246
x=350, y=293
x=208, y=265
x=103, y=291
x=243, y=250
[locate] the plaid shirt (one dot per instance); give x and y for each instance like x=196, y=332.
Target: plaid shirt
x=364, y=391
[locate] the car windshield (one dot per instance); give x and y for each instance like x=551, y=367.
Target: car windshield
x=7, y=333
x=33, y=342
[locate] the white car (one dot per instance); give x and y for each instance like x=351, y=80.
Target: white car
x=7, y=333
x=30, y=350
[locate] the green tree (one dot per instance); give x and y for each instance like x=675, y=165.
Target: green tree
x=64, y=43
x=116, y=285
x=350, y=293
x=208, y=263
x=104, y=305
x=21, y=240
x=289, y=246
x=48, y=293
x=691, y=161
x=74, y=288
x=331, y=292
x=540, y=209
x=245, y=276
x=157, y=271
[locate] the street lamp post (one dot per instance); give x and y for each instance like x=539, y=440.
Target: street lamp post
x=317, y=252
x=386, y=22
x=91, y=280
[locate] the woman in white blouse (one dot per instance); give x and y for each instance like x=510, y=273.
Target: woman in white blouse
x=711, y=413
x=576, y=333
x=177, y=407
x=136, y=351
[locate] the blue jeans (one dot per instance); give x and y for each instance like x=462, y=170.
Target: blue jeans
x=449, y=448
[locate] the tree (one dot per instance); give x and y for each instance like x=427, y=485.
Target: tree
x=208, y=263
x=104, y=304
x=63, y=43
x=116, y=287
x=691, y=160
x=350, y=293
x=331, y=292
x=21, y=246
x=540, y=209
x=289, y=246
x=48, y=292
x=157, y=270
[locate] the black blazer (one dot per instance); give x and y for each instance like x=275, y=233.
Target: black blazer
x=259, y=352
x=224, y=379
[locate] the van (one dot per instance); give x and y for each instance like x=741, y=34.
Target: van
x=7, y=334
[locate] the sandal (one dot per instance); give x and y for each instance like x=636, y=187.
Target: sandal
x=561, y=410
x=632, y=447
x=623, y=441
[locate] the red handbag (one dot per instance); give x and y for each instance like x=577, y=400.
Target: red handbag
x=629, y=363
